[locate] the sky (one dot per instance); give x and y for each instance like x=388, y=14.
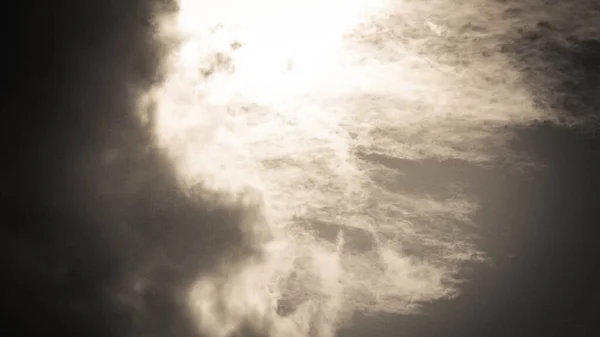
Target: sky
x=286, y=168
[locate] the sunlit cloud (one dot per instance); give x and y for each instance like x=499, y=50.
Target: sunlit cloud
x=283, y=104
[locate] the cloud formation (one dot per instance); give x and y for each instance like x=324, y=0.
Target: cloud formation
x=304, y=104
x=197, y=169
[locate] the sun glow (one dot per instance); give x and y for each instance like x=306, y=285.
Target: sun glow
x=294, y=101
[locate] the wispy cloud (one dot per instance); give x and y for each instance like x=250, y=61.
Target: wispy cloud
x=288, y=107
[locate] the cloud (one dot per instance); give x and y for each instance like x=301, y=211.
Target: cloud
x=103, y=241
x=158, y=192
x=310, y=118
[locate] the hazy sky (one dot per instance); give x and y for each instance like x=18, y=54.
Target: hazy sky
x=434, y=176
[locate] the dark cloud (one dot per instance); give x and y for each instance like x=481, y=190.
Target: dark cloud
x=558, y=56
x=98, y=240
